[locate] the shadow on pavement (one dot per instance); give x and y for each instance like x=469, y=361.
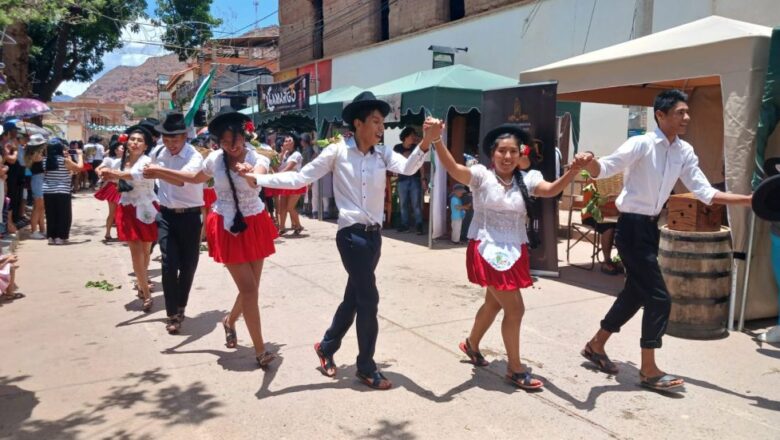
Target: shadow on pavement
x=346, y=379
x=17, y=404
x=239, y=359
x=591, y=280
x=196, y=327
x=171, y=404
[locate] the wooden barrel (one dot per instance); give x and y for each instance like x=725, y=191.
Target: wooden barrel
x=696, y=267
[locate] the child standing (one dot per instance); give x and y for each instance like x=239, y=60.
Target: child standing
x=457, y=212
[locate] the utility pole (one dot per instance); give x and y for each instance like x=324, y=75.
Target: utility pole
x=642, y=26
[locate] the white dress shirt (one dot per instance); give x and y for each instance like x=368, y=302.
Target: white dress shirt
x=188, y=160
x=651, y=167
x=358, y=179
x=499, y=222
x=249, y=200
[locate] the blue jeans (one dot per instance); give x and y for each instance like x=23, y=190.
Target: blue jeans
x=360, y=252
x=409, y=192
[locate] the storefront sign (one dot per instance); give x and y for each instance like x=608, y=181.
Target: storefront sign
x=285, y=96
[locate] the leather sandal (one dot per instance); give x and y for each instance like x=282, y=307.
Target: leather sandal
x=147, y=305
x=231, y=340
x=265, y=358
x=524, y=380
x=173, y=324
x=601, y=361
x=375, y=380
x=475, y=357
x=663, y=382
x=327, y=364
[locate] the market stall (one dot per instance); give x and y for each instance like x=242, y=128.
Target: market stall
x=721, y=63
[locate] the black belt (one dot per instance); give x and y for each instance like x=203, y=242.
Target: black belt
x=366, y=228
x=640, y=217
x=180, y=210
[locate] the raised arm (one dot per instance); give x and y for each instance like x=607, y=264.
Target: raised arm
x=434, y=127
x=76, y=166
x=308, y=174
x=552, y=189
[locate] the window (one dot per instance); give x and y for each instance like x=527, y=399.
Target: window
x=457, y=9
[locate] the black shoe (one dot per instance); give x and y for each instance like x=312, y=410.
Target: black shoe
x=419, y=230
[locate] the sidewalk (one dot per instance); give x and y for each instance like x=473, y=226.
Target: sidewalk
x=83, y=363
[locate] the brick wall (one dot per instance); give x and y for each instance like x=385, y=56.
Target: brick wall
x=350, y=24
x=296, y=36
x=407, y=16
x=477, y=6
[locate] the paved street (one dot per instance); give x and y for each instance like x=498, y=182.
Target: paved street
x=83, y=363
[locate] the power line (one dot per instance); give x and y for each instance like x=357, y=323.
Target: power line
x=592, y=12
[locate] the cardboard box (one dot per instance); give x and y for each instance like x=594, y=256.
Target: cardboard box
x=686, y=213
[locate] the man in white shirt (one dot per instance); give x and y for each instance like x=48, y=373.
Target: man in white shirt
x=178, y=221
x=652, y=163
x=359, y=166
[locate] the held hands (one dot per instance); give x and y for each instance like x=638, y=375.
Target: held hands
x=243, y=169
x=150, y=171
x=432, y=130
x=581, y=160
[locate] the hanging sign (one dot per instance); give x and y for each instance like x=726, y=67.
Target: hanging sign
x=286, y=95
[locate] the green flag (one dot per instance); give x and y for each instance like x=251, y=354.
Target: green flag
x=200, y=95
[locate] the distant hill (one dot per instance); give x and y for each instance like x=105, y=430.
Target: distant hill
x=62, y=98
x=128, y=85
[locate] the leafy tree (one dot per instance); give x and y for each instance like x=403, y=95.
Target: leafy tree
x=70, y=43
x=188, y=25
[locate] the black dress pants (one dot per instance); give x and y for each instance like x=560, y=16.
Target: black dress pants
x=636, y=238
x=360, y=252
x=179, y=238
x=59, y=215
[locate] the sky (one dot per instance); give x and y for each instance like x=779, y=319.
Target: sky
x=235, y=14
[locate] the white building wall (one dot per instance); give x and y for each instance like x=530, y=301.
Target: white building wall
x=511, y=40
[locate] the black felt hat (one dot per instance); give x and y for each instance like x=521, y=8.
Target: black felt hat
x=173, y=124
x=144, y=132
x=492, y=135
x=363, y=100
x=766, y=198
x=149, y=124
x=226, y=116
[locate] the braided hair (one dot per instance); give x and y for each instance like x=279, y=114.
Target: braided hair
x=237, y=128
x=531, y=207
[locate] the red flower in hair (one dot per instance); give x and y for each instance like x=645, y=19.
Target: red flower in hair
x=249, y=127
x=525, y=150
x=122, y=138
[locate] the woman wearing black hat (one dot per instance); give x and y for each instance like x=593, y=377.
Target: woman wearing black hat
x=497, y=256
x=137, y=211
x=292, y=160
x=239, y=231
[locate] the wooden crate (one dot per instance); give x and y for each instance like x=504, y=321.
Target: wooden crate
x=686, y=213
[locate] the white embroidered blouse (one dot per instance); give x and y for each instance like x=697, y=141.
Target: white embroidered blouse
x=248, y=198
x=142, y=195
x=499, y=221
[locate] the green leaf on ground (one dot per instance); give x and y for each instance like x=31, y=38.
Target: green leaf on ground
x=102, y=285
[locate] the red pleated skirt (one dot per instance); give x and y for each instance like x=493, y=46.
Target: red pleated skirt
x=108, y=193
x=255, y=243
x=481, y=272
x=129, y=228
x=272, y=192
x=87, y=167
x=209, y=197
x=291, y=192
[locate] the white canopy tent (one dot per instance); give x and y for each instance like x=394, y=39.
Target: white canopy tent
x=722, y=64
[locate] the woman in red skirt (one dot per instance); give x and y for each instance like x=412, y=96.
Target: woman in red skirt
x=239, y=231
x=137, y=211
x=108, y=192
x=497, y=255
x=292, y=160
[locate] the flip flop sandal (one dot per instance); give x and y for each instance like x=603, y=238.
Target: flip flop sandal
x=173, y=325
x=524, y=380
x=661, y=383
x=12, y=297
x=601, y=361
x=475, y=357
x=147, y=305
x=265, y=359
x=375, y=380
x=231, y=340
x=327, y=364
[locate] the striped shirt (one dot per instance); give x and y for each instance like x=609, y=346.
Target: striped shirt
x=56, y=181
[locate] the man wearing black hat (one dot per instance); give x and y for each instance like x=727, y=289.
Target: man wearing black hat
x=178, y=221
x=652, y=163
x=359, y=167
